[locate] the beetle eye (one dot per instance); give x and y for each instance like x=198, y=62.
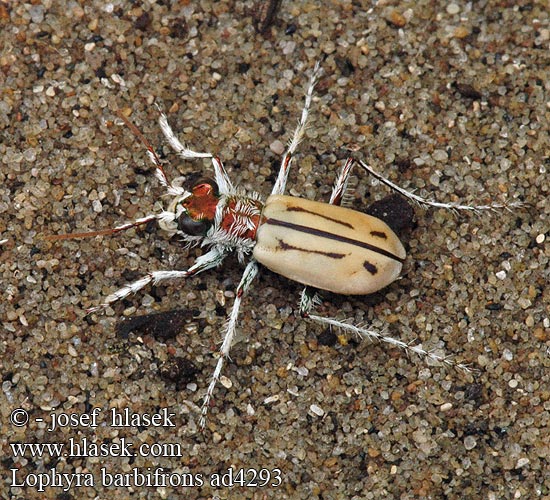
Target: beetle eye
x=204, y=187
x=193, y=227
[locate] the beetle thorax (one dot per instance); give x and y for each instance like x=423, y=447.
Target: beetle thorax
x=240, y=217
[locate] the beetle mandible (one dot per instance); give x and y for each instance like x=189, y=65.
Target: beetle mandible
x=321, y=245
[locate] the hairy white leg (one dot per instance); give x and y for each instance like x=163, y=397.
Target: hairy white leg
x=280, y=183
x=249, y=274
x=223, y=181
x=309, y=298
x=178, y=147
x=211, y=259
x=376, y=335
x=341, y=184
x=425, y=202
x=220, y=175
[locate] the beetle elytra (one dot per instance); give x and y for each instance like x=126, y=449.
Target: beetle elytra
x=327, y=246
x=321, y=245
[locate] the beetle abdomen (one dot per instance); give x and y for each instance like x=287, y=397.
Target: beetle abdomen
x=327, y=246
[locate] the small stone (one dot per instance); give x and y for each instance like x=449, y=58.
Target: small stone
x=226, y=382
x=397, y=19
x=302, y=370
x=317, y=410
x=470, y=442
x=440, y=155
x=96, y=206
x=522, y=462
x=118, y=80
x=373, y=452
x=540, y=334
x=37, y=13
x=434, y=179
x=453, y=9
x=289, y=48
x=419, y=437
x=446, y=406
x=277, y=147
x=30, y=154
x=461, y=32
x=524, y=303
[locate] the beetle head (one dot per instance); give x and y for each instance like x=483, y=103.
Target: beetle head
x=196, y=212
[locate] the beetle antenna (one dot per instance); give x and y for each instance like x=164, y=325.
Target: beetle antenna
x=159, y=170
x=103, y=232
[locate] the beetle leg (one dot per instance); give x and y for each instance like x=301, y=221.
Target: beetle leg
x=425, y=202
x=309, y=298
x=249, y=274
x=222, y=179
x=211, y=259
x=341, y=184
x=280, y=183
x=220, y=175
x=371, y=334
x=178, y=147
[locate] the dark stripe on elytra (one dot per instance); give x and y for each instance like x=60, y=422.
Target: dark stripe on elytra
x=303, y=210
x=371, y=268
x=332, y=236
x=379, y=234
x=331, y=255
